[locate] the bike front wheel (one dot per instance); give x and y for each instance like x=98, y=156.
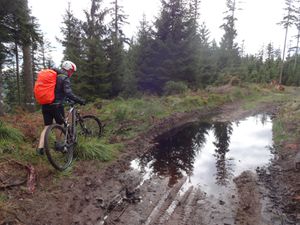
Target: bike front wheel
x=57, y=147
x=91, y=126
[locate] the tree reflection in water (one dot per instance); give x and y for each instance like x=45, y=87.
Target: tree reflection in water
x=176, y=151
x=264, y=118
x=222, y=132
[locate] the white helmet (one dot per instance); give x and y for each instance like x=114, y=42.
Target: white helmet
x=68, y=65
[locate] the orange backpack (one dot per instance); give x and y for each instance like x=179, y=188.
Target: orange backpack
x=44, y=87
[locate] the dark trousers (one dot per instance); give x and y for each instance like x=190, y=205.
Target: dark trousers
x=51, y=112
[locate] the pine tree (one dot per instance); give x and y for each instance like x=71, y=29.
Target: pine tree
x=270, y=64
x=10, y=88
x=6, y=36
x=44, y=50
x=297, y=24
x=194, y=6
x=130, y=82
x=1, y=93
x=41, y=56
x=192, y=45
x=73, y=46
x=95, y=82
x=173, y=54
x=27, y=30
x=207, y=68
x=229, y=53
x=117, y=39
x=20, y=30
x=288, y=20
x=143, y=52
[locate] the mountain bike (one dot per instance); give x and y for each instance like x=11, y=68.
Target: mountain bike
x=60, y=140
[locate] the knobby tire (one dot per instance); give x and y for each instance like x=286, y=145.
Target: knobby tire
x=86, y=127
x=59, y=155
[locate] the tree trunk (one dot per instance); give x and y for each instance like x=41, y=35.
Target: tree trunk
x=18, y=72
x=32, y=64
x=287, y=24
x=296, y=53
x=28, y=79
x=283, y=55
x=1, y=90
x=116, y=20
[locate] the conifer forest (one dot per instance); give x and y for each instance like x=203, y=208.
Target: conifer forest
x=173, y=52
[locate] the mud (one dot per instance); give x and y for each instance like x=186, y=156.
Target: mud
x=118, y=195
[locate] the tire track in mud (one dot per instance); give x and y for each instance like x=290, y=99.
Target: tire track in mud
x=180, y=213
x=164, y=207
x=183, y=204
x=184, y=210
x=171, y=205
x=249, y=209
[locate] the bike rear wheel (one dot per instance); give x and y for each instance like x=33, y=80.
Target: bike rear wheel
x=59, y=152
x=91, y=126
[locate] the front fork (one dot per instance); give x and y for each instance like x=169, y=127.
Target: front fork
x=71, y=137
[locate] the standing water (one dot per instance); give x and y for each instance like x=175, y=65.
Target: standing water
x=210, y=154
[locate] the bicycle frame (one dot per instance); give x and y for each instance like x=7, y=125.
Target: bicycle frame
x=71, y=127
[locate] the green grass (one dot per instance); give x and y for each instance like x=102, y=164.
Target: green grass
x=9, y=133
x=279, y=133
x=286, y=127
x=10, y=138
x=258, y=95
x=125, y=118
x=14, y=146
x=93, y=148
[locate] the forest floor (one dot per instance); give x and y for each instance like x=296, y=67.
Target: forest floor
x=114, y=193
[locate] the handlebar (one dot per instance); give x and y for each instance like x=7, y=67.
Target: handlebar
x=71, y=103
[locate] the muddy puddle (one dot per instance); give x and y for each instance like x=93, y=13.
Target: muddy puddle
x=201, y=173
x=210, y=155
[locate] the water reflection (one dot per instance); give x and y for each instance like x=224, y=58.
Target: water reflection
x=222, y=133
x=211, y=154
x=176, y=151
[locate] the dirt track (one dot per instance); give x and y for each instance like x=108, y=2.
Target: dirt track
x=119, y=195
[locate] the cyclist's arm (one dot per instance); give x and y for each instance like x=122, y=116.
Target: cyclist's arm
x=69, y=93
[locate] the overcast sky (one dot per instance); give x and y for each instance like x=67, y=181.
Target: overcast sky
x=257, y=23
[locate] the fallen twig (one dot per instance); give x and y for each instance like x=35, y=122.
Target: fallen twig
x=31, y=177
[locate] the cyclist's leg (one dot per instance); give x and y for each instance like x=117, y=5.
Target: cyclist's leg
x=59, y=114
x=48, y=119
x=42, y=137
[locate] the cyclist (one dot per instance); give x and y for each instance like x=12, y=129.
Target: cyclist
x=63, y=91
